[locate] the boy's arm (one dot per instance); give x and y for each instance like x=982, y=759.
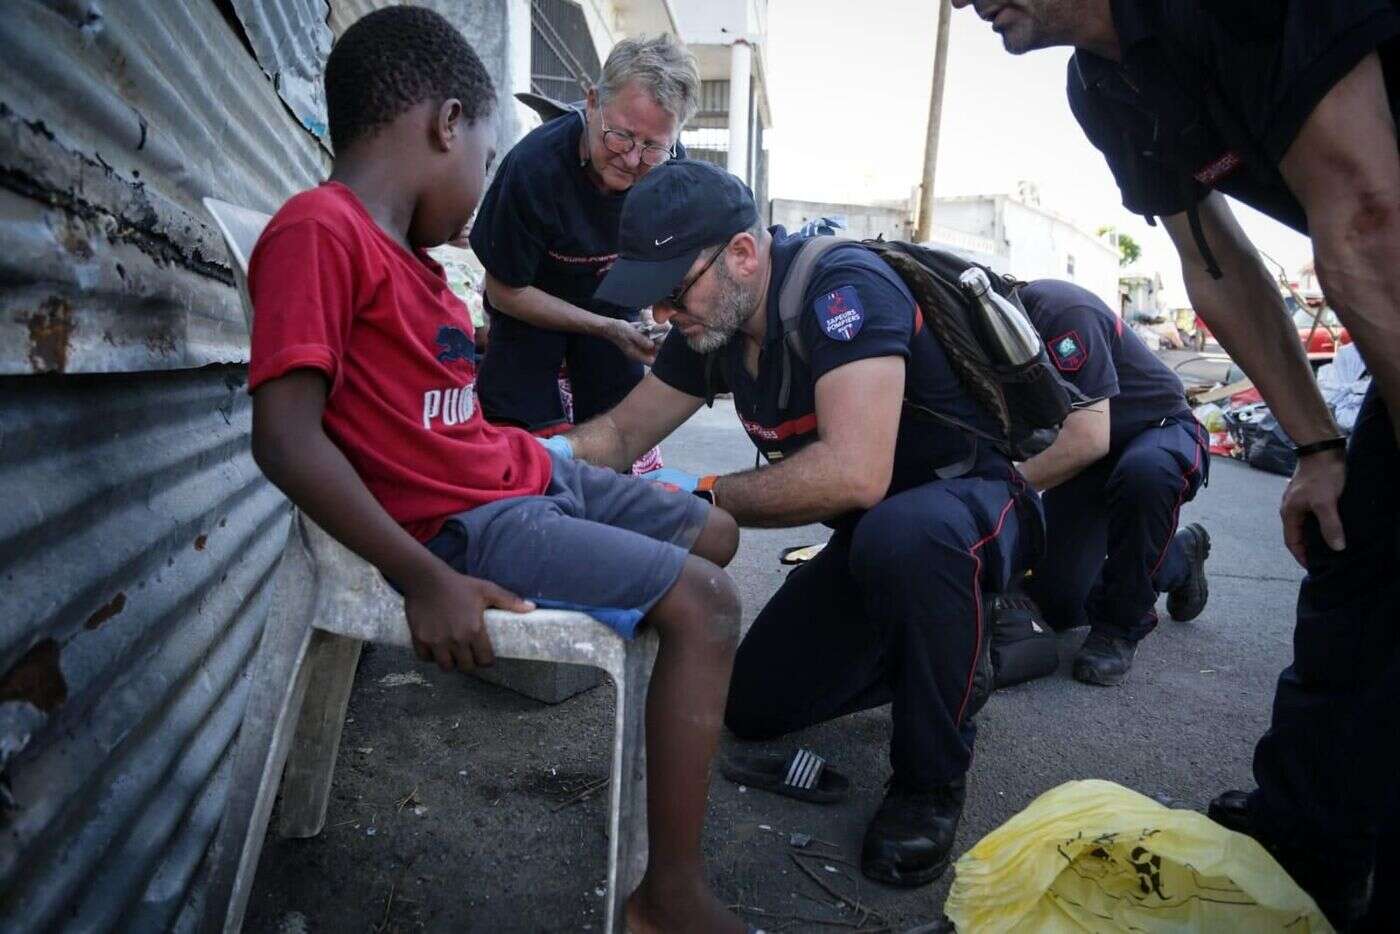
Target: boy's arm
x=444, y=608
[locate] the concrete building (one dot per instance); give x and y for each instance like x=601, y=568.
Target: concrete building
x=1032, y=242
x=860, y=221
x=729, y=38
x=1009, y=233
x=1141, y=294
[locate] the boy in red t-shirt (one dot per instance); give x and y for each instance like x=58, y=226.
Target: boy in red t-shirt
x=364, y=414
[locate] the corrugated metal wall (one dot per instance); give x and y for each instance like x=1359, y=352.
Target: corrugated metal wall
x=137, y=537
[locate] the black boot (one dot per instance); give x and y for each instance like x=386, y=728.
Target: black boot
x=910, y=837
x=1187, y=601
x=1104, y=659
x=1341, y=887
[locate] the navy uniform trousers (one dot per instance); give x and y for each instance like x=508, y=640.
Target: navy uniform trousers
x=1109, y=532
x=519, y=378
x=1329, y=767
x=891, y=611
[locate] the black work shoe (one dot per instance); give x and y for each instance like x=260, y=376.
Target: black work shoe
x=1187, y=601
x=910, y=838
x=1341, y=888
x=1104, y=659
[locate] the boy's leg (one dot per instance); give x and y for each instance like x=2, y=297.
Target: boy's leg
x=698, y=621
x=543, y=548
x=648, y=508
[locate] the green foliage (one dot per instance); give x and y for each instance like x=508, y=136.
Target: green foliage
x=1128, y=250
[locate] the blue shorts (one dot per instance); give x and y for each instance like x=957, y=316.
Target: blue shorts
x=597, y=541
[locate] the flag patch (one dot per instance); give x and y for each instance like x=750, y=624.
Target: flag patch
x=840, y=313
x=1068, y=352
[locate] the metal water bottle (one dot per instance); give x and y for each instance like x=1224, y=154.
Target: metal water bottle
x=1014, y=339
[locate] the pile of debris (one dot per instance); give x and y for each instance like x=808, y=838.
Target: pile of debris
x=1242, y=426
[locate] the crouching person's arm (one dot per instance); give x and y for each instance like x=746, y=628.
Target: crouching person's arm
x=649, y=413
x=1083, y=440
x=445, y=609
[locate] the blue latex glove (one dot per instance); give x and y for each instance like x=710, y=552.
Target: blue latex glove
x=559, y=445
x=678, y=478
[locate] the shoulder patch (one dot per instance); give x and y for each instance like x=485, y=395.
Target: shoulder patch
x=1068, y=352
x=839, y=313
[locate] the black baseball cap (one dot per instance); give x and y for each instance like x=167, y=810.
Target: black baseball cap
x=675, y=211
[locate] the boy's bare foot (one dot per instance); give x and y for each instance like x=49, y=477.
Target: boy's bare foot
x=687, y=907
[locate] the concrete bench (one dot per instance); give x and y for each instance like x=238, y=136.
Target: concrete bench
x=326, y=603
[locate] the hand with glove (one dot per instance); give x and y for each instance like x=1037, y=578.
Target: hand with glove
x=559, y=445
x=703, y=487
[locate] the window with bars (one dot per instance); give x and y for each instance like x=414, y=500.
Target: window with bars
x=563, y=61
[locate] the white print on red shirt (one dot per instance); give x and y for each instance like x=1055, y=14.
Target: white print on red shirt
x=454, y=406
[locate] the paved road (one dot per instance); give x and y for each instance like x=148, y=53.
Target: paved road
x=478, y=845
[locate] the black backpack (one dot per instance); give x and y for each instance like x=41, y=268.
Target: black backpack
x=1028, y=402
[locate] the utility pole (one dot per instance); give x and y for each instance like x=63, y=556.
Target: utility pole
x=923, y=231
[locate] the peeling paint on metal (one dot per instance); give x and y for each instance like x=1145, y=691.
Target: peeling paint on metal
x=291, y=41
x=106, y=612
x=50, y=329
x=36, y=678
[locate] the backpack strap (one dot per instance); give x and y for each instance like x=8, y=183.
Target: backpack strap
x=791, y=308
x=790, y=311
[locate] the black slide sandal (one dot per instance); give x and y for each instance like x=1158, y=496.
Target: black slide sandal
x=802, y=775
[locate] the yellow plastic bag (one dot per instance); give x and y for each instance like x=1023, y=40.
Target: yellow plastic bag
x=1095, y=856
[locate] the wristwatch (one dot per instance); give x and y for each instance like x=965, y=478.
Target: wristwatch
x=1317, y=447
x=705, y=489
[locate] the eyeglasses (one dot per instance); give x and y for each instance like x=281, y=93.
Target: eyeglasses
x=674, y=300
x=622, y=142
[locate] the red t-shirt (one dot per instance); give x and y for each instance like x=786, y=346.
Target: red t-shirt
x=332, y=292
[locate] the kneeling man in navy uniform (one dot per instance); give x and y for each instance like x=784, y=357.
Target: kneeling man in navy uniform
x=1113, y=484
x=926, y=520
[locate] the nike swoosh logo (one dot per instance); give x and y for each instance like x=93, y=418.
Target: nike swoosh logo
x=664, y=242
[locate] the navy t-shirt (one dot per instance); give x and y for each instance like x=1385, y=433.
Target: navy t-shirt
x=858, y=308
x=543, y=223
x=1092, y=350
x=1268, y=62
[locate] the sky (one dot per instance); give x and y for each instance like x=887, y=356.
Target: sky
x=848, y=85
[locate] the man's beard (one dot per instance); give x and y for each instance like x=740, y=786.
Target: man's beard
x=1041, y=25
x=732, y=305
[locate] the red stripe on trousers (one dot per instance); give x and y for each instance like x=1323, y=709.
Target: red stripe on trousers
x=977, y=602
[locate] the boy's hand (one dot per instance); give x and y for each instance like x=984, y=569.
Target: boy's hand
x=446, y=618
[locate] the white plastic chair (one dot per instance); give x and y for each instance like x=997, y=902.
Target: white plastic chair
x=326, y=602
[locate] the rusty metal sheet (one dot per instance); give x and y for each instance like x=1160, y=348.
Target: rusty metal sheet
x=136, y=558
x=291, y=40
x=138, y=538
x=113, y=126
